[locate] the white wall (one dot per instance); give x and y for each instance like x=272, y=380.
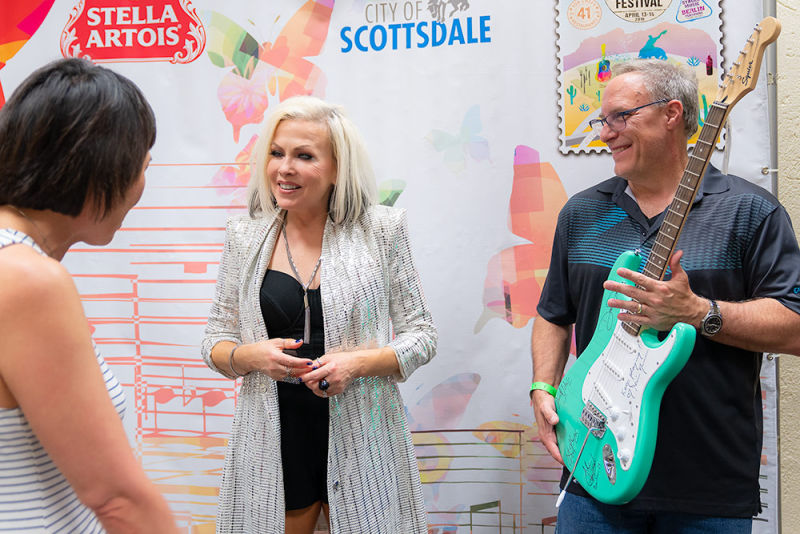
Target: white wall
x=789, y=193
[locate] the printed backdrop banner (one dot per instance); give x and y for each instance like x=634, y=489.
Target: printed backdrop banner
x=474, y=114
x=594, y=38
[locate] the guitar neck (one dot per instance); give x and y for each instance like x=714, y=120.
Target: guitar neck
x=740, y=80
x=678, y=210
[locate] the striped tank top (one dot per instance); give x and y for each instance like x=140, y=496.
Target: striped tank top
x=34, y=495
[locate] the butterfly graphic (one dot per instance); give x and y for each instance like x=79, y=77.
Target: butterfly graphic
x=433, y=420
x=233, y=178
x=515, y=275
x=260, y=70
x=237, y=175
x=389, y=191
x=20, y=20
x=439, y=409
x=456, y=147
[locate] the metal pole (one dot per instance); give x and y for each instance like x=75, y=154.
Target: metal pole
x=770, y=10
x=771, y=63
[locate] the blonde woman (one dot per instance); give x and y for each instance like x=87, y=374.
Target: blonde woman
x=319, y=307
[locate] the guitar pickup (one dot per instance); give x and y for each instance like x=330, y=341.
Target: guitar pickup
x=594, y=420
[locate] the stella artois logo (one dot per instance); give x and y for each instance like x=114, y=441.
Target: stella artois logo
x=106, y=31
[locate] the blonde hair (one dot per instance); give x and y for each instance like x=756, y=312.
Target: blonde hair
x=354, y=190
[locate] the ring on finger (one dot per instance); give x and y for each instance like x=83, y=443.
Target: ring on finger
x=639, y=310
x=324, y=384
x=318, y=363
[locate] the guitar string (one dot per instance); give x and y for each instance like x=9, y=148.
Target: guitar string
x=604, y=377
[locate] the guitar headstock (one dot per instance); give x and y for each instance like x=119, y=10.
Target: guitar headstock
x=743, y=74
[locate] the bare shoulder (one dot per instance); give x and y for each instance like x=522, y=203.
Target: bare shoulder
x=42, y=322
x=29, y=279
x=41, y=317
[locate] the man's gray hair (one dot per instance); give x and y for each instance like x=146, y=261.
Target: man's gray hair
x=663, y=79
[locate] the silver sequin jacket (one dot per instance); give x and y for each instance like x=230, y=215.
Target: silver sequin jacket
x=371, y=295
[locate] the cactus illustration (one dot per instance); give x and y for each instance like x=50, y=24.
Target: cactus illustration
x=599, y=99
x=587, y=78
x=572, y=92
x=693, y=61
x=583, y=107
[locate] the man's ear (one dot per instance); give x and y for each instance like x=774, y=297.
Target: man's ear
x=674, y=111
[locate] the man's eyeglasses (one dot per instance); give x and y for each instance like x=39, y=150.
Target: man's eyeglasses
x=616, y=121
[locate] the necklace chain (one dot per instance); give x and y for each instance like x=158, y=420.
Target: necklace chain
x=45, y=244
x=307, y=308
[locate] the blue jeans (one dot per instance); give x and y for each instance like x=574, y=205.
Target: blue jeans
x=582, y=515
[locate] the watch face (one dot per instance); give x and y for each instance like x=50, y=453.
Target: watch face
x=712, y=324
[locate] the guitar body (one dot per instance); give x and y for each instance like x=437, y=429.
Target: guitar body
x=617, y=383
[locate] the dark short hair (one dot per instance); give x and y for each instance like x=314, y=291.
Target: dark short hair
x=73, y=132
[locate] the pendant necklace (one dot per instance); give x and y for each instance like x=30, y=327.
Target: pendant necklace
x=307, y=324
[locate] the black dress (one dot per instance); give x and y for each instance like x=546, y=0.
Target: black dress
x=304, y=415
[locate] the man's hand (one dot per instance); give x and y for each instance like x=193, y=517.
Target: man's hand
x=656, y=303
x=544, y=409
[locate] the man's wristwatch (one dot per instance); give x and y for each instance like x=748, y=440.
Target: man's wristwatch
x=712, y=322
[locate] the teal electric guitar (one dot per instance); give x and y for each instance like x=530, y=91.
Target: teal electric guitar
x=608, y=401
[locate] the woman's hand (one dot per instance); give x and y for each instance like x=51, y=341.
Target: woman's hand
x=337, y=369
x=268, y=357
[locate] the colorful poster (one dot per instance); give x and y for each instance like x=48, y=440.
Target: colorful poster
x=595, y=35
x=454, y=101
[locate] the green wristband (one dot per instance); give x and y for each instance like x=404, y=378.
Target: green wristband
x=545, y=386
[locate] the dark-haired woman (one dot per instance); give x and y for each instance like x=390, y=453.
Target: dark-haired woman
x=75, y=141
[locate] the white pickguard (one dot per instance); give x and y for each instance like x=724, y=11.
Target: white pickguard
x=616, y=382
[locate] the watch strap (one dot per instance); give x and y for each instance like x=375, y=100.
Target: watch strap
x=713, y=313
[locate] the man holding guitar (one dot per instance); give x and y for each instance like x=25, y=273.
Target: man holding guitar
x=734, y=276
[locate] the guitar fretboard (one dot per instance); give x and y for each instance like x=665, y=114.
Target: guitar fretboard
x=670, y=230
